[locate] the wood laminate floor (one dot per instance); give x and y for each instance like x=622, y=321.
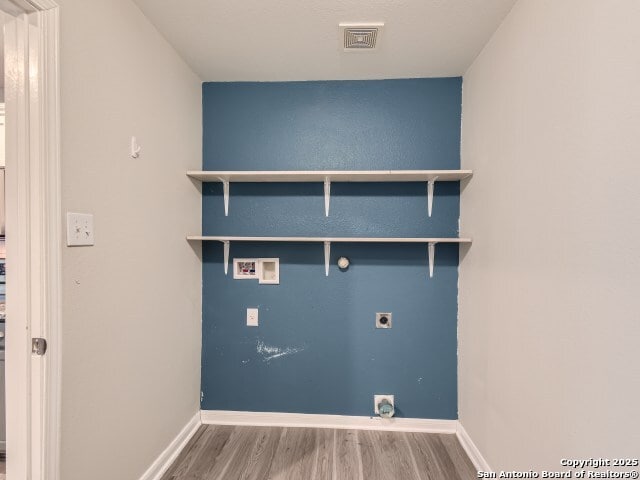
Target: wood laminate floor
x=218, y=452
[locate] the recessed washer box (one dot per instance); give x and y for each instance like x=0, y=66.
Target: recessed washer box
x=245, y=268
x=269, y=271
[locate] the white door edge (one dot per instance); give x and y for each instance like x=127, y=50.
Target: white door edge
x=33, y=242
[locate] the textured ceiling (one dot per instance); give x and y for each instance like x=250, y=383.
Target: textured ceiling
x=271, y=40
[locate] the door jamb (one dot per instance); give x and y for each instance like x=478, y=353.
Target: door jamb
x=34, y=244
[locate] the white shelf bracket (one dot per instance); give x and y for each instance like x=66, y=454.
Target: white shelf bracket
x=225, y=187
x=432, y=255
x=327, y=195
x=430, y=184
x=226, y=256
x=327, y=254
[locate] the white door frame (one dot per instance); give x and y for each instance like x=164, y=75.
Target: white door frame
x=33, y=225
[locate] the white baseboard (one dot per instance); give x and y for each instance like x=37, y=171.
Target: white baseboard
x=272, y=419
x=167, y=457
x=268, y=419
x=472, y=451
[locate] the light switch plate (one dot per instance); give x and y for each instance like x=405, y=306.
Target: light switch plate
x=252, y=317
x=79, y=229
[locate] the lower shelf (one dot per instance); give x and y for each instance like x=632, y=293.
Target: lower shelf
x=327, y=241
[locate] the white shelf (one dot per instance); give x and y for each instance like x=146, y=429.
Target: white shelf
x=331, y=239
x=333, y=175
x=327, y=241
x=327, y=176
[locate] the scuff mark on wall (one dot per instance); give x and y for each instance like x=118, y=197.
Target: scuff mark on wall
x=270, y=352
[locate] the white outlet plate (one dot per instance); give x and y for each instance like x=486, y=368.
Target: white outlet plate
x=79, y=229
x=252, y=317
x=378, y=398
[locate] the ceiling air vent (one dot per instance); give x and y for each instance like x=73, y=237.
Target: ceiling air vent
x=360, y=37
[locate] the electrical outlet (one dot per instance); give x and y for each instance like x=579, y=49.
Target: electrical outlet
x=79, y=229
x=383, y=320
x=252, y=317
x=379, y=398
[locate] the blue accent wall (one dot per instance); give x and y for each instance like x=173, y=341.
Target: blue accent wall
x=317, y=349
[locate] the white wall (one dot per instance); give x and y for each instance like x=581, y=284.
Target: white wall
x=550, y=289
x=132, y=303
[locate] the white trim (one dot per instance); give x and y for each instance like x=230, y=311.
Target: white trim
x=33, y=240
x=269, y=419
x=50, y=151
x=273, y=419
x=18, y=369
x=472, y=450
x=169, y=455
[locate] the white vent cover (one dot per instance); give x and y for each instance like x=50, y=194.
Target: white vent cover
x=360, y=37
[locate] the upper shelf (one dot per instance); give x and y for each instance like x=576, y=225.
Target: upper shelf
x=328, y=176
x=332, y=175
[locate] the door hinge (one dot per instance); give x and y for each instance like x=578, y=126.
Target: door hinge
x=38, y=346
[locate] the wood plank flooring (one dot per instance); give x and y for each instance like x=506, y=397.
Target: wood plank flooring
x=219, y=452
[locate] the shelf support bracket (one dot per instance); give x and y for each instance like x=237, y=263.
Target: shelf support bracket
x=327, y=254
x=226, y=256
x=327, y=195
x=432, y=255
x=225, y=188
x=430, y=184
